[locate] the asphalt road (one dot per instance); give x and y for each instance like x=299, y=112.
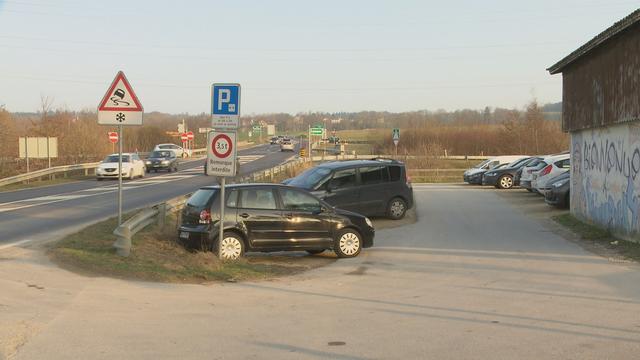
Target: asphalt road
x=45, y=213
x=478, y=276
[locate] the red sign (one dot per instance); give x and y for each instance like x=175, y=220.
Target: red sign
x=184, y=137
x=121, y=96
x=221, y=146
x=190, y=135
x=113, y=137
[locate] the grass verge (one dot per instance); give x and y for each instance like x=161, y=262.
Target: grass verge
x=39, y=183
x=601, y=241
x=156, y=256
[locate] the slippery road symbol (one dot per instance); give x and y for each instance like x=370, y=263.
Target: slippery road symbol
x=117, y=99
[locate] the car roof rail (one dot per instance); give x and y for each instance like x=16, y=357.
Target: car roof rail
x=379, y=158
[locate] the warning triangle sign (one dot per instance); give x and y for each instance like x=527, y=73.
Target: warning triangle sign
x=120, y=96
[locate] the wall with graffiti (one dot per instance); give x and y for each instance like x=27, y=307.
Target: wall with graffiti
x=605, y=177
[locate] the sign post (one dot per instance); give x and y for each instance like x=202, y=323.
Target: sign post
x=396, y=138
x=120, y=106
x=221, y=142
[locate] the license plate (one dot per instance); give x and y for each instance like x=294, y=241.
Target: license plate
x=184, y=235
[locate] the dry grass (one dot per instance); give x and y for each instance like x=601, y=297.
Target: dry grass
x=157, y=256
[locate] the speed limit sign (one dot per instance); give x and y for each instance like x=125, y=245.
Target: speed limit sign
x=221, y=153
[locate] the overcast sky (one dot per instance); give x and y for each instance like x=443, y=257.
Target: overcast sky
x=294, y=55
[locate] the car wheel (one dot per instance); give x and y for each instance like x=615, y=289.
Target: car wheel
x=505, y=182
x=347, y=244
x=397, y=209
x=315, y=252
x=232, y=246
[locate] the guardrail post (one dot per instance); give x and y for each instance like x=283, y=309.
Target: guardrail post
x=123, y=242
x=162, y=214
x=86, y=172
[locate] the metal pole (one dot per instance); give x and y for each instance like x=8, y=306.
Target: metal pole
x=120, y=140
x=221, y=222
x=309, y=143
x=26, y=153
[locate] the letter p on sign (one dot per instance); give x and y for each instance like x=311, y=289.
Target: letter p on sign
x=224, y=97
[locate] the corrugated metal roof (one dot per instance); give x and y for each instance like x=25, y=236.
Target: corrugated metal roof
x=618, y=27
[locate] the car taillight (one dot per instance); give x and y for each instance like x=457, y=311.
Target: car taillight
x=408, y=179
x=546, y=170
x=205, y=217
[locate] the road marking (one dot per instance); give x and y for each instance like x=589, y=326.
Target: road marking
x=17, y=243
x=249, y=158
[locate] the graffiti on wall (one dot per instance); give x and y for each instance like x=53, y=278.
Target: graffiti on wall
x=605, y=177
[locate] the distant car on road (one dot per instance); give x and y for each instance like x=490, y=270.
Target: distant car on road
x=132, y=166
x=558, y=193
x=162, y=160
x=286, y=145
x=274, y=140
x=271, y=217
x=179, y=150
x=378, y=187
x=504, y=178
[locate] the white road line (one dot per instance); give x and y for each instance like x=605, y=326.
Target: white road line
x=17, y=243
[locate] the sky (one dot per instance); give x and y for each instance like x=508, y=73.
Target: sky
x=294, y=55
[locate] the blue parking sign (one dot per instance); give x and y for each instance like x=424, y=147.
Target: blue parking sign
x=225, y=105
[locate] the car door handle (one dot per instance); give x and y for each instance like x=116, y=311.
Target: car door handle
x=244, y=215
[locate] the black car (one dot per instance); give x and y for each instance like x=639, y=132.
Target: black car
x=378, y=187
x=558, y=193
x=162, y=160
x=271, y=217
x=504, y=178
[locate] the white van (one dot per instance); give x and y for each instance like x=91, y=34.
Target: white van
x=474, y=175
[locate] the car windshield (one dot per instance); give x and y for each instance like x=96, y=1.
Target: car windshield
x=114, y=159
x=517, y=162
x=200, y=198
x=161, y=154
x=167, y=147
x=310, y=178
x=478, y=166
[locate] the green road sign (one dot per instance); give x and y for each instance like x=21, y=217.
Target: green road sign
x=396, y=134
x=257, y=128
x=316, y=131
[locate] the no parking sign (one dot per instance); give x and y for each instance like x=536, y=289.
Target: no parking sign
x=221, y=153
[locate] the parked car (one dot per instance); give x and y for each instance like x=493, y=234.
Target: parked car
x=271, y=217
x=558, y=193
x=526, y=174
x=286, y=145
x=132, y=166
x=162, y=160
x=179, y=150
x=274, y=140
x=474, y=175
x=377, y=187
x=554, y=165
x=503, y=178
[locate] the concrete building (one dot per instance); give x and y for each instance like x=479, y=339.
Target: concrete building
x=601, y=111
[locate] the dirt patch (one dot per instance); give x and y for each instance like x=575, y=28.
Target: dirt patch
x=156, y=256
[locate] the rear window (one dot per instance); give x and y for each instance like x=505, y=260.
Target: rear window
x=200, y=198
x=374, y=175
x=564, y=164
x=395, y=172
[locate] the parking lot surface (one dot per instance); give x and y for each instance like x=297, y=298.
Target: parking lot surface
x=476, y=276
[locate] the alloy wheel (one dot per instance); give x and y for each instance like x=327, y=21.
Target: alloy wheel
x=506, y=182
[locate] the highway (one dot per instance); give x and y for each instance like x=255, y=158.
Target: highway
x=45, y=213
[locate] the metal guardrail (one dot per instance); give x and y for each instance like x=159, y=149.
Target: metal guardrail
x=147, y=216
x=47, y=172
x=52, y=171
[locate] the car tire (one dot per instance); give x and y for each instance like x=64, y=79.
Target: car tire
x=396, y=209
x=505, y=182
x=348, y=243
x=232, y=246
x=315, y=252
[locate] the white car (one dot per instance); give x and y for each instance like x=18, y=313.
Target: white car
x=179, y=150
x=527, y=173
x=286, y=145
x=553, y=166
x=132, y=166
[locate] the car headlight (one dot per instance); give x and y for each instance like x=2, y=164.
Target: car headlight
x=560, y=183
x=147, y=162
x=368, y=222
x=165, y=162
